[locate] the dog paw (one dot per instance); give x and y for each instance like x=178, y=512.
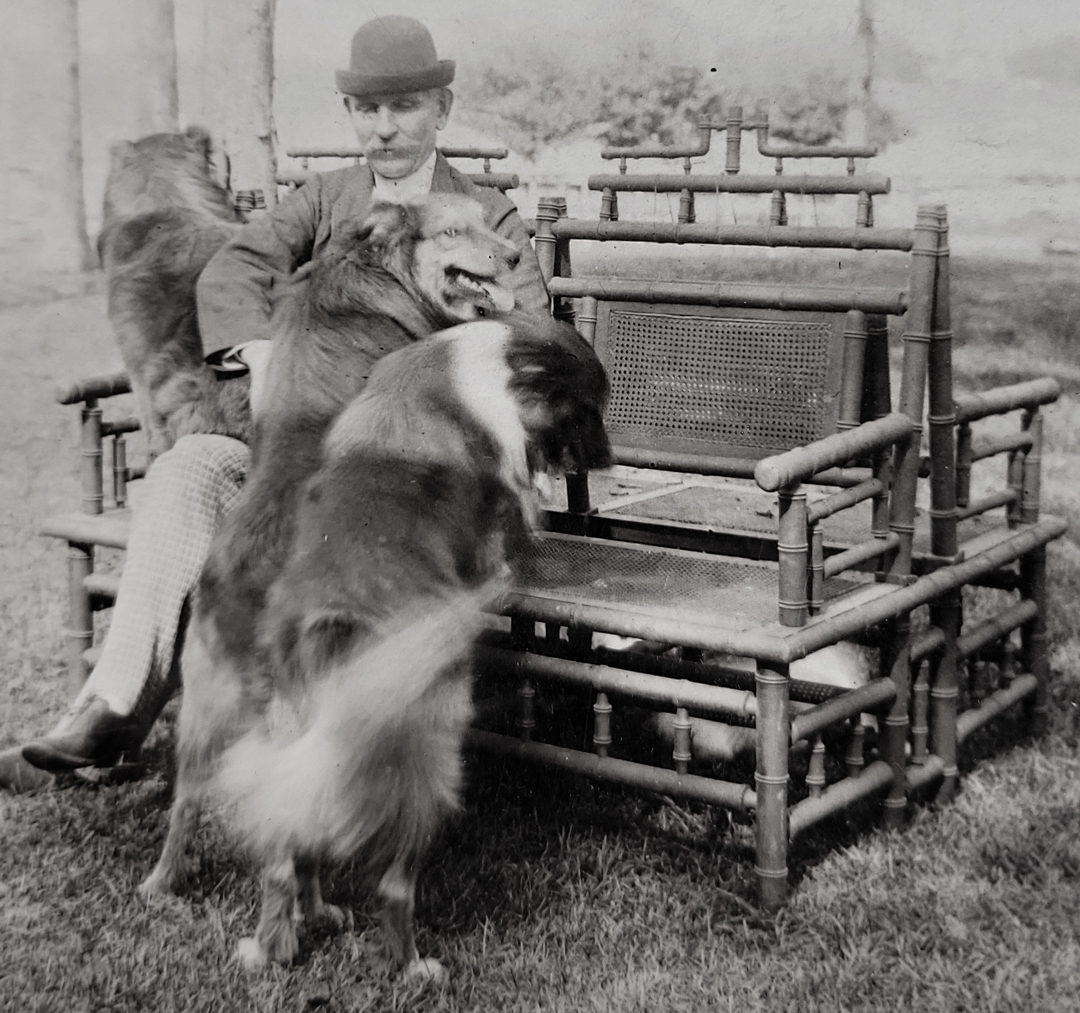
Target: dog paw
x=425, y=969
x=250, y=954
x=159, y=884
x=334, y=918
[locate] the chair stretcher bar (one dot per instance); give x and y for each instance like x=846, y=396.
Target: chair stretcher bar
x=635, y=775
x=698, y=698
x=875, y=778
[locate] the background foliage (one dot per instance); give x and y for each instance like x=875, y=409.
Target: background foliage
x=533, y=98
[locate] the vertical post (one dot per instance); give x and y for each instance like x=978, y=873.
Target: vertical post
x=733, y=129
x=965, y=455
x=851, y=382
x=945, y=614
x=91, y=479
x=547, y=213
x=778, y=208
x=686, y=207
x=120, y=472
x=877, y=401
x=80, y=630
x=942, y=411
x=1033, y=647
x=680, y=752
x=913, y=388
x=609, y=205
x=815, y=776
x=562, y=309
x=920, y=704
x=586, y=318
x=815, y=588
x=1015, y=479
x=601, y=725
x=1032, y=474
x=771, y=782
x=526, y=719
x=896, y=662
x=862, y=210
x=853, y=758
x=793, y=554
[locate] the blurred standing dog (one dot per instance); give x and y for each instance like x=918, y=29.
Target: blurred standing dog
x=167, y=212
x=326, y=678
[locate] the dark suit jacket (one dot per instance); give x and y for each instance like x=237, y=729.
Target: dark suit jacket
x=234, y=290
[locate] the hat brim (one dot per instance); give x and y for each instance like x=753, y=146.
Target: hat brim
x=438, y=76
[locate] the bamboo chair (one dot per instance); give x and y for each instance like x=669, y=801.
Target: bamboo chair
x=671, y=351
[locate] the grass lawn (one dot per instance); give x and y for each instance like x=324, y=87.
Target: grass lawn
x=550, y=893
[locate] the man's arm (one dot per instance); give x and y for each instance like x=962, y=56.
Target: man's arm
x=234, y=289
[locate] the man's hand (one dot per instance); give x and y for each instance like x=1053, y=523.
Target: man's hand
x=256, y=354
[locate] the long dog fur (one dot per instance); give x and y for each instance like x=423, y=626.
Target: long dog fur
x=167, y=211
x=326, y=677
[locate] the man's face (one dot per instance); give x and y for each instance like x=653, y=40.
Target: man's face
x=397, y=132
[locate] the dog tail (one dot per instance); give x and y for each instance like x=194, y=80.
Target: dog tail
x=371, y=756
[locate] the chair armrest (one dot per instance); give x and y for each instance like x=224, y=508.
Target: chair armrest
x=1000, y=400
x=797, y=465
x=92, y=387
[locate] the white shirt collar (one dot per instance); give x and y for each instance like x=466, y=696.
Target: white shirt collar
x=398, y=191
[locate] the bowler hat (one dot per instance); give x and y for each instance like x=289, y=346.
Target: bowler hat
x=393, y=54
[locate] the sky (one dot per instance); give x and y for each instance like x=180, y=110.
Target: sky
x=985, y=29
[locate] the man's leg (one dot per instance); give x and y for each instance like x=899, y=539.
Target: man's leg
x=189, y=489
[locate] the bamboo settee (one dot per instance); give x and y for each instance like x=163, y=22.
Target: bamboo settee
x=728, y=393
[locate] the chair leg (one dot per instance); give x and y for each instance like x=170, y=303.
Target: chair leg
x=1036, y=659
x=945, y=692
x=771, y=778
x=80, y=628
x=897, y=664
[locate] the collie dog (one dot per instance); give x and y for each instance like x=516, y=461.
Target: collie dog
x=327, y=669
x=167, y=212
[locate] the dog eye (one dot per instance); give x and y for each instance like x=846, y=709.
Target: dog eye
x=451, y=232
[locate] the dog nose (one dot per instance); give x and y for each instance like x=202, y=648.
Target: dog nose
x=513, y=259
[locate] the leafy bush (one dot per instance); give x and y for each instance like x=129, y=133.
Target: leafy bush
x=530, y=100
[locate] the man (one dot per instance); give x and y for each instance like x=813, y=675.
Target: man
x=396, y=93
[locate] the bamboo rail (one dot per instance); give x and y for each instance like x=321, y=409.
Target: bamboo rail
x=999, y=400
x=671, y=183
x=728, y=794
x=800, y=464
x=868, y=300
x=823, y=236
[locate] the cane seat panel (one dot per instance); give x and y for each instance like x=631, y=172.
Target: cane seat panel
x=695, y=587
x=719, y=381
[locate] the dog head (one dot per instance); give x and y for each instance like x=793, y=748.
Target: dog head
x=513, y=398
x=539, y=390
x=168, y=172
x=442, y=251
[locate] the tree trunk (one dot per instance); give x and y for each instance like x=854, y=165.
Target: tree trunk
x=65, y=245
x=238, y=85
x=156, y=60
x=857, y=128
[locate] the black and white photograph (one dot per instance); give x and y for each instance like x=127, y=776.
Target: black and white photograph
x=540, y=507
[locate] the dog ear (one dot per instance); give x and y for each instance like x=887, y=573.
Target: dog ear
x=384, y=221
x=325, y=638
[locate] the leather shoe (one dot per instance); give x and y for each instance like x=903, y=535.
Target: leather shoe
x=94, y=737
x=17, y=776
